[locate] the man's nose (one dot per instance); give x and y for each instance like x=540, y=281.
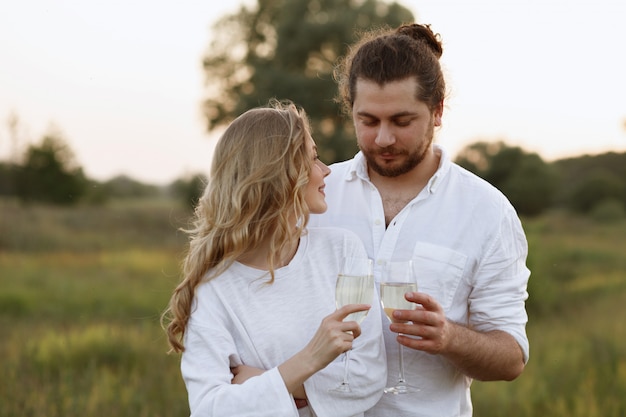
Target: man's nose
x=385, y=136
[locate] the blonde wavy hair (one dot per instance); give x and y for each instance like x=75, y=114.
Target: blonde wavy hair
x=256, y=189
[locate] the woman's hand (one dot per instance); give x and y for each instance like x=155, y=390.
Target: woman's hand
x=334, y=336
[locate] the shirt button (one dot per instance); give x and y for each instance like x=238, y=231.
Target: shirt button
x=377, y=222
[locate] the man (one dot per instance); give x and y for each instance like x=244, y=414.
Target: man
x=406, y=200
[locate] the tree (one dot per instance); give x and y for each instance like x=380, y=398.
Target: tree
x=580, y=175
x=8, y=169
x=286, y=49
x=597, y=188
x=189, y=190
x=531, y=186
x=50, y=173
x=527, y=181
x=122, y=186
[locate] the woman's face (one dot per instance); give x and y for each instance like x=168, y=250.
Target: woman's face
x=314, y=192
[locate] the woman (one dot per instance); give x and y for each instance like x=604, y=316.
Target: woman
x=255, y=314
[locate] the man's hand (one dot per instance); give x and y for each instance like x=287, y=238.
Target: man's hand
x=486, y=356
x=427, y=324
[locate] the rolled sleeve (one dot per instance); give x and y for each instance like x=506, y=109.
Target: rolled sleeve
x=497, y=301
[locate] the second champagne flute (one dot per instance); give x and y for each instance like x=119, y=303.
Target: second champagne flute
x=397, y=279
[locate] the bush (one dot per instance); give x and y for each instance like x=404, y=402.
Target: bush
x=608, y=211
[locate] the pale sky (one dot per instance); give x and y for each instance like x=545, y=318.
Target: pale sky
x=122, y=80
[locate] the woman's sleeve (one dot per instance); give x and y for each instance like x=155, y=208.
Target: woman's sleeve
x=205, y=366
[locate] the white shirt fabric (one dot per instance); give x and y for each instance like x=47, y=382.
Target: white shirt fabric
x=469, y=249
x=238, y=318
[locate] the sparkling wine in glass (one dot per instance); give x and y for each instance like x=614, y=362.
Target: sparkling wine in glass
x=355, y=285
x=397, y=279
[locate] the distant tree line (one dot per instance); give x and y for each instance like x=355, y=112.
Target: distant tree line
x=47, y=172
x=591, y=185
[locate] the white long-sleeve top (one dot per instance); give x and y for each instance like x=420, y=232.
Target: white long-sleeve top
x=469, y=251
x=237, y=318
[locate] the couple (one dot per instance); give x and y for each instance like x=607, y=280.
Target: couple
x=255, y=316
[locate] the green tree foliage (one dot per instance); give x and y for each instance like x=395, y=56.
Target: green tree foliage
x=189, y=190
x=527, y=181
x=7, y=175
x=598, y=187
x=590, y=180
x=123, y=186
x=50, y=173
x=286, y=49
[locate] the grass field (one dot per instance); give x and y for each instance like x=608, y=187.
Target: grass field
x=82, y=290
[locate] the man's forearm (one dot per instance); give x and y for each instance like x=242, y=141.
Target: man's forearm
x=490, y=356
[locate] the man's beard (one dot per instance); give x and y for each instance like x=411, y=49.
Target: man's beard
x=413, y=158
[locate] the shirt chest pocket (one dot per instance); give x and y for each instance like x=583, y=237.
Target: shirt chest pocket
x=439, y=271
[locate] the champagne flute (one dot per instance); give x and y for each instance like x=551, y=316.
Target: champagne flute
x=397, y=279
x=355, y=285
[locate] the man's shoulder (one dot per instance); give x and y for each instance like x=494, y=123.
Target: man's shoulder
x=468, y=178
x=476, y=191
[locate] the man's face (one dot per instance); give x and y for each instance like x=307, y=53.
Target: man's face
x=394, y=130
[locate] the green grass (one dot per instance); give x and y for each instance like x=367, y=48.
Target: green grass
x=577, y=366
x=576, y=326
x=82, y=335
x=82, y=290
x=80, y=309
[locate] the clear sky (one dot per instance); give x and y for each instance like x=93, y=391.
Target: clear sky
x=122, y=80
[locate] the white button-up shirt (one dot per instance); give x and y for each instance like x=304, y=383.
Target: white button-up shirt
x=470, y=253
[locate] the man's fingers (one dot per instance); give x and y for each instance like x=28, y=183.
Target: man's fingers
x=426, y=301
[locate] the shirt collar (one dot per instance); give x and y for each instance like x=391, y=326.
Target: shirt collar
x=442, y=169
x=358, y=168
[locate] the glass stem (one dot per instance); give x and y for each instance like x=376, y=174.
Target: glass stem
x=401, y=380
x=345, y=368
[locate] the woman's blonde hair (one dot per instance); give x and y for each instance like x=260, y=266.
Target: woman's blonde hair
x=255, y=193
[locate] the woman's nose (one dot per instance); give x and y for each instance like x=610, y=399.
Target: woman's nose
x=325, y=170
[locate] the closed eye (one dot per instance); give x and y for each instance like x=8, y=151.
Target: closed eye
x=403, y=123
x=369, y=121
